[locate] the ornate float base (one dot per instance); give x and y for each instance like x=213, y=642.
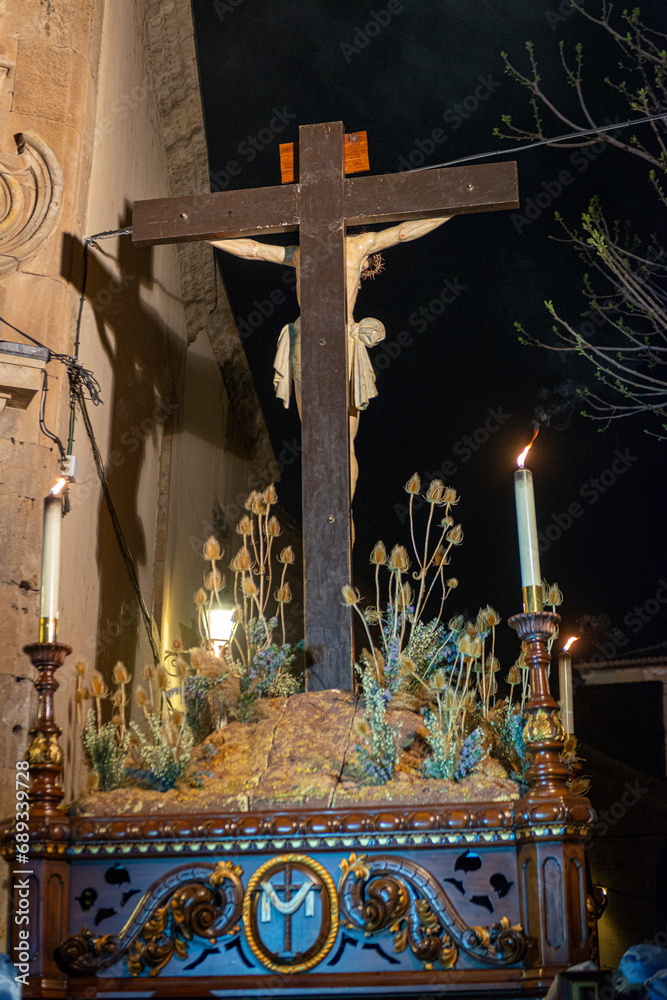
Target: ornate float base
x=482, y=899
x=391, y=901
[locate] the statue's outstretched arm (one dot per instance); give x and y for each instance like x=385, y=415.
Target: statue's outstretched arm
x=253, y=250
x=402, y=233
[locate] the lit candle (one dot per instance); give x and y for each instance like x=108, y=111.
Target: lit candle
x=565, y=683
x=531, y=577
x=48, y=605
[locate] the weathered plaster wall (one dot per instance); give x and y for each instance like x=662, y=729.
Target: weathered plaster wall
x=112, y=89
x=48, y=89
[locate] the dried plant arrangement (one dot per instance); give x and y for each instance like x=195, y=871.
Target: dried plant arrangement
x=195, y=691
x=446, y=670
x=258, y=653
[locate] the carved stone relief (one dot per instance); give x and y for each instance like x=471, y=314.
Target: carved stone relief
x=31, y=192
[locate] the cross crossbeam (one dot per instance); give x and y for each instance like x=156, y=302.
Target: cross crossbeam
x=320, y=206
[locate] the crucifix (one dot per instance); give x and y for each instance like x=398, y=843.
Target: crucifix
x=290, y=904
x=320, y=205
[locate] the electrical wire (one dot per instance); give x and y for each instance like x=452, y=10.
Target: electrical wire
x=77, y=376
x=83, y=383
x=542, y=142
x=42, y=426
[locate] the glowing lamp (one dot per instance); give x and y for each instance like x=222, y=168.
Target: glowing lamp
x=221, y=626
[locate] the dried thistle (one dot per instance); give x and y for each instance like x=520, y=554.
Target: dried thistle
x=214, y=580
x=351, y=595
x=244, y=527
x=273, y=528
x=379, y=554
x=435, y=492
x=212, y=549
x=283, y=594
x=120, y=674
x=270, y=496
x=398, y=560
x=455, y=535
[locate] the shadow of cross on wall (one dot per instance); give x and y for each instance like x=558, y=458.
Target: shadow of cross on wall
x=320, y=205
x=144, y=356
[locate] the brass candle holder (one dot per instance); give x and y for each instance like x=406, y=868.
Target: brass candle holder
x=44, y=754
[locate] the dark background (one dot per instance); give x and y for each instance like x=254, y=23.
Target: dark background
x=419, y=73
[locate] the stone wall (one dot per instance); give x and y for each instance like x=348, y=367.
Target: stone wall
x=104, y=100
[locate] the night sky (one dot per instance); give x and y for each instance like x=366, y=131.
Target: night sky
x=457, y=392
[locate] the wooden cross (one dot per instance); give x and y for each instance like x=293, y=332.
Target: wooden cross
x=320, y=205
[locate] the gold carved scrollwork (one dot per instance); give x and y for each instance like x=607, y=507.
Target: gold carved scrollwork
x=193, y=911
x=31, y=193
x=192, y=901
x=379, y=901
x=395, y=894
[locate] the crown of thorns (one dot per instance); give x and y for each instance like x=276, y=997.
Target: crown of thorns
x=375, y=265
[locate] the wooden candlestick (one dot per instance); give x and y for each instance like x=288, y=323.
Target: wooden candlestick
x=543, y=733
x=44, y=754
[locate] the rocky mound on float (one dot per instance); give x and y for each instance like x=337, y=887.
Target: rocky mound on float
x=301, y=752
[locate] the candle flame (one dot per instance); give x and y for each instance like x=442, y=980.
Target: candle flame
x=59, y=486
x=569, y=643
x=522, y=457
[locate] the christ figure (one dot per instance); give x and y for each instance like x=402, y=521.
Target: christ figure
x=362, y=260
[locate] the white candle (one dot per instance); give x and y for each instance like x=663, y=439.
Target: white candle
x=49, y=594
x=565, y=685
x=527, y=527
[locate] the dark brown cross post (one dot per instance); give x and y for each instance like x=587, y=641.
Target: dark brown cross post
x=321, y=204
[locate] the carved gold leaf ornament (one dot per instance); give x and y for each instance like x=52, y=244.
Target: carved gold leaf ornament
x=223, y=870
x=400, y=932
x=543, y=726
x=44, y=750
x=355, y=865
x=449, y=955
